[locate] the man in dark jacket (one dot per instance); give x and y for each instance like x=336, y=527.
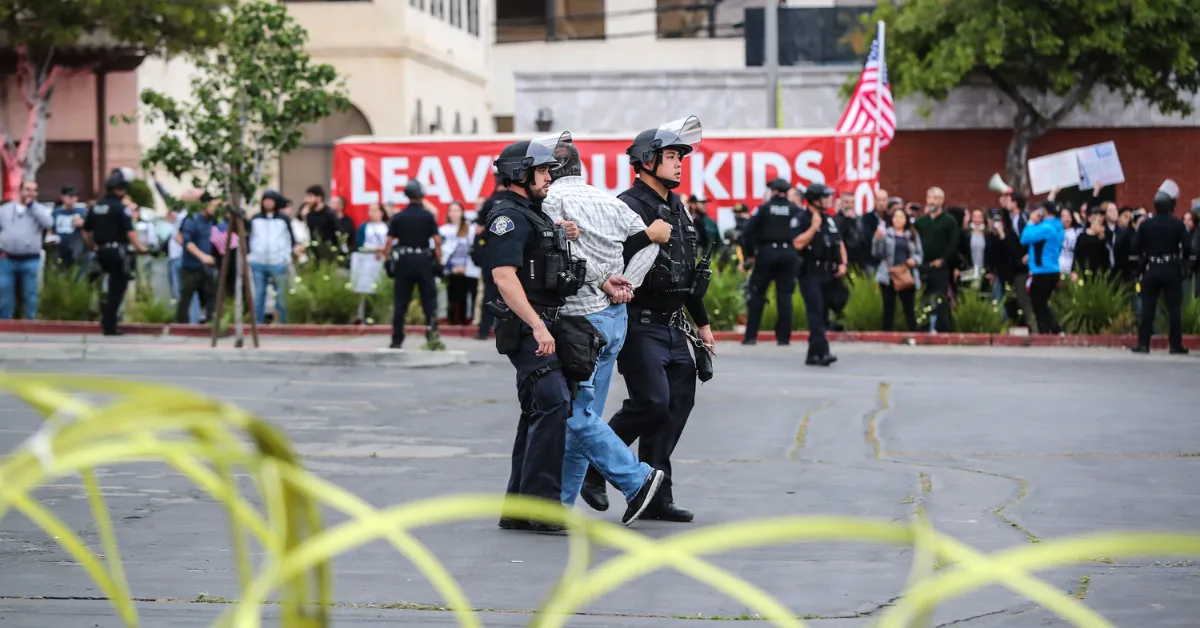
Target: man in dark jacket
x=1017, y=271
x=868, y=224
x=939, y=233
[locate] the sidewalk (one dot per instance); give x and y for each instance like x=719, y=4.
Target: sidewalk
x=347, y=351
x=375, y=332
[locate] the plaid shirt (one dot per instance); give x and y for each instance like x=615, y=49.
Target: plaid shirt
x=604, y=224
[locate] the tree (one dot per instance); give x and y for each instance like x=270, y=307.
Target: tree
x=1048, y=58
x=249, y=105
x=42, y=30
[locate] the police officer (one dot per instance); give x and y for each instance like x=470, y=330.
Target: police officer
x=108, y=230
x=822, y=260
x=767, y=243
x=659, y=370
x=413, y=262
x=533, y=272
x=1162, y=243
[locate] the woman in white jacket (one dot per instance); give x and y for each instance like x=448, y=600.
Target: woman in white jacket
x=462, y=276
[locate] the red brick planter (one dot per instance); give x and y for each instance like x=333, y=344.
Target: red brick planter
x=998, y=340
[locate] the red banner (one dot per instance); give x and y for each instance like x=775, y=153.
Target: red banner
x=723, y=170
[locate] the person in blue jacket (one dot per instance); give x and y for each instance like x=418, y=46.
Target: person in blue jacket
x=1044, y=236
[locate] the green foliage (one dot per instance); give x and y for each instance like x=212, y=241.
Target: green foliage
x=1189, y=314
x=146, y=308
x=1027, y=50
x=249, y=104
x=140, y=192
x=1092, y=304
x=726, y=297
x=864, y=311
x=64, y=297
x=153, y=26
x=976, y=313
x=321, y=293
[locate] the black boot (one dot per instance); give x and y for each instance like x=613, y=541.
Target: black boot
x=593, y=491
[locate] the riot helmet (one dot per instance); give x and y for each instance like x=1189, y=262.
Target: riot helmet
x=645, y=154
x=518, y=161
x=817, y=193
x=1164, y=199
x=118, y=180
x=413, y=190
x=779, y=185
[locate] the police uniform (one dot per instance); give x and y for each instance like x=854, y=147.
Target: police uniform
x=109, y=224
x=819, y=261
x=520, y=235
x=409, y=232
x=768, y=239
x=490, y=293
x=657, y=362
x=1162, y=244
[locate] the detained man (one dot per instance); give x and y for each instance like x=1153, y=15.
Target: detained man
x=605, y=223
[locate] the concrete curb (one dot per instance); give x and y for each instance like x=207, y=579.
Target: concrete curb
x=460, y=331
x=377, y=358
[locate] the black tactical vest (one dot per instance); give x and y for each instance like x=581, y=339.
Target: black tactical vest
x=548, y=274
x=672, y=270
x=775, y=221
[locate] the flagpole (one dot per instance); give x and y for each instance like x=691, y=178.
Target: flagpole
x=880, y=33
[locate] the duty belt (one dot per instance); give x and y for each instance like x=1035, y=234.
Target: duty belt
x=408, y=250
x=820, y=263
x=670, y=319
x=111, y=245
x=779, y=245
x=1163, y=259
x=549, y=314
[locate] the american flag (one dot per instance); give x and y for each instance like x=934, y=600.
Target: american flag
x=864, y=109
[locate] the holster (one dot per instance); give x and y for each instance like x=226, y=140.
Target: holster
x=578, y=345
x=508, y=327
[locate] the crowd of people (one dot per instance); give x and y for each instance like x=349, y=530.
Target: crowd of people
x=1017, y=254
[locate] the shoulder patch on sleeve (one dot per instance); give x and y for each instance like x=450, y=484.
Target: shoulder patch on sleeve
x=502, y=225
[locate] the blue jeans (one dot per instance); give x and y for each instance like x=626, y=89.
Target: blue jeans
x=589, y=438
x=278, y=275
x=26, y=272
x=194, y=310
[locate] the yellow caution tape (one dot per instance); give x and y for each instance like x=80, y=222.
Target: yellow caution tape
x=208, y=441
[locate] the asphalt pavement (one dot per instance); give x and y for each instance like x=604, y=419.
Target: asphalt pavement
x=999, y=447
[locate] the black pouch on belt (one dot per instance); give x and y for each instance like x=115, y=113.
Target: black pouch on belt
x=578, y=345
x=704, y=363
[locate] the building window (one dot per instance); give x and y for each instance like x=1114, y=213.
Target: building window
x=438, y=8
x=559, y=20
x=504, y=124
x=456, y=13
x=473, y=17
x=684, y=20
x=474, y=126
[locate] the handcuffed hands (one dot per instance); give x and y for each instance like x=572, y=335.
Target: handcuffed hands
x=618, y=288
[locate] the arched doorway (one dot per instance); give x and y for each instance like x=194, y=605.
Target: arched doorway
x=313, y=161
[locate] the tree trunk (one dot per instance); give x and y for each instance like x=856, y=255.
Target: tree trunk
x=23, y=156
x=1016, y=160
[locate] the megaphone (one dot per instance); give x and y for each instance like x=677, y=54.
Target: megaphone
x=996, y=184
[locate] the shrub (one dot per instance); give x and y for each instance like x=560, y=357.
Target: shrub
x=146, y=308
x=1189, y=313
x=1092, y=304
x=725, y=299
x=321, y=293
x=65, y=296
x=976, y=313
x=864, y=311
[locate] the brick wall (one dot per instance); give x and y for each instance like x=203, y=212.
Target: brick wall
x=961, y=162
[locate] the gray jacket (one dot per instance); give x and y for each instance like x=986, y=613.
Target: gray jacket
x=22, y=228
x=884, y=249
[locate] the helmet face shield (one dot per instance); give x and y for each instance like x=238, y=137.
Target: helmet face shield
x=549, y=149
x=683, y=134
x=1169, y=188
